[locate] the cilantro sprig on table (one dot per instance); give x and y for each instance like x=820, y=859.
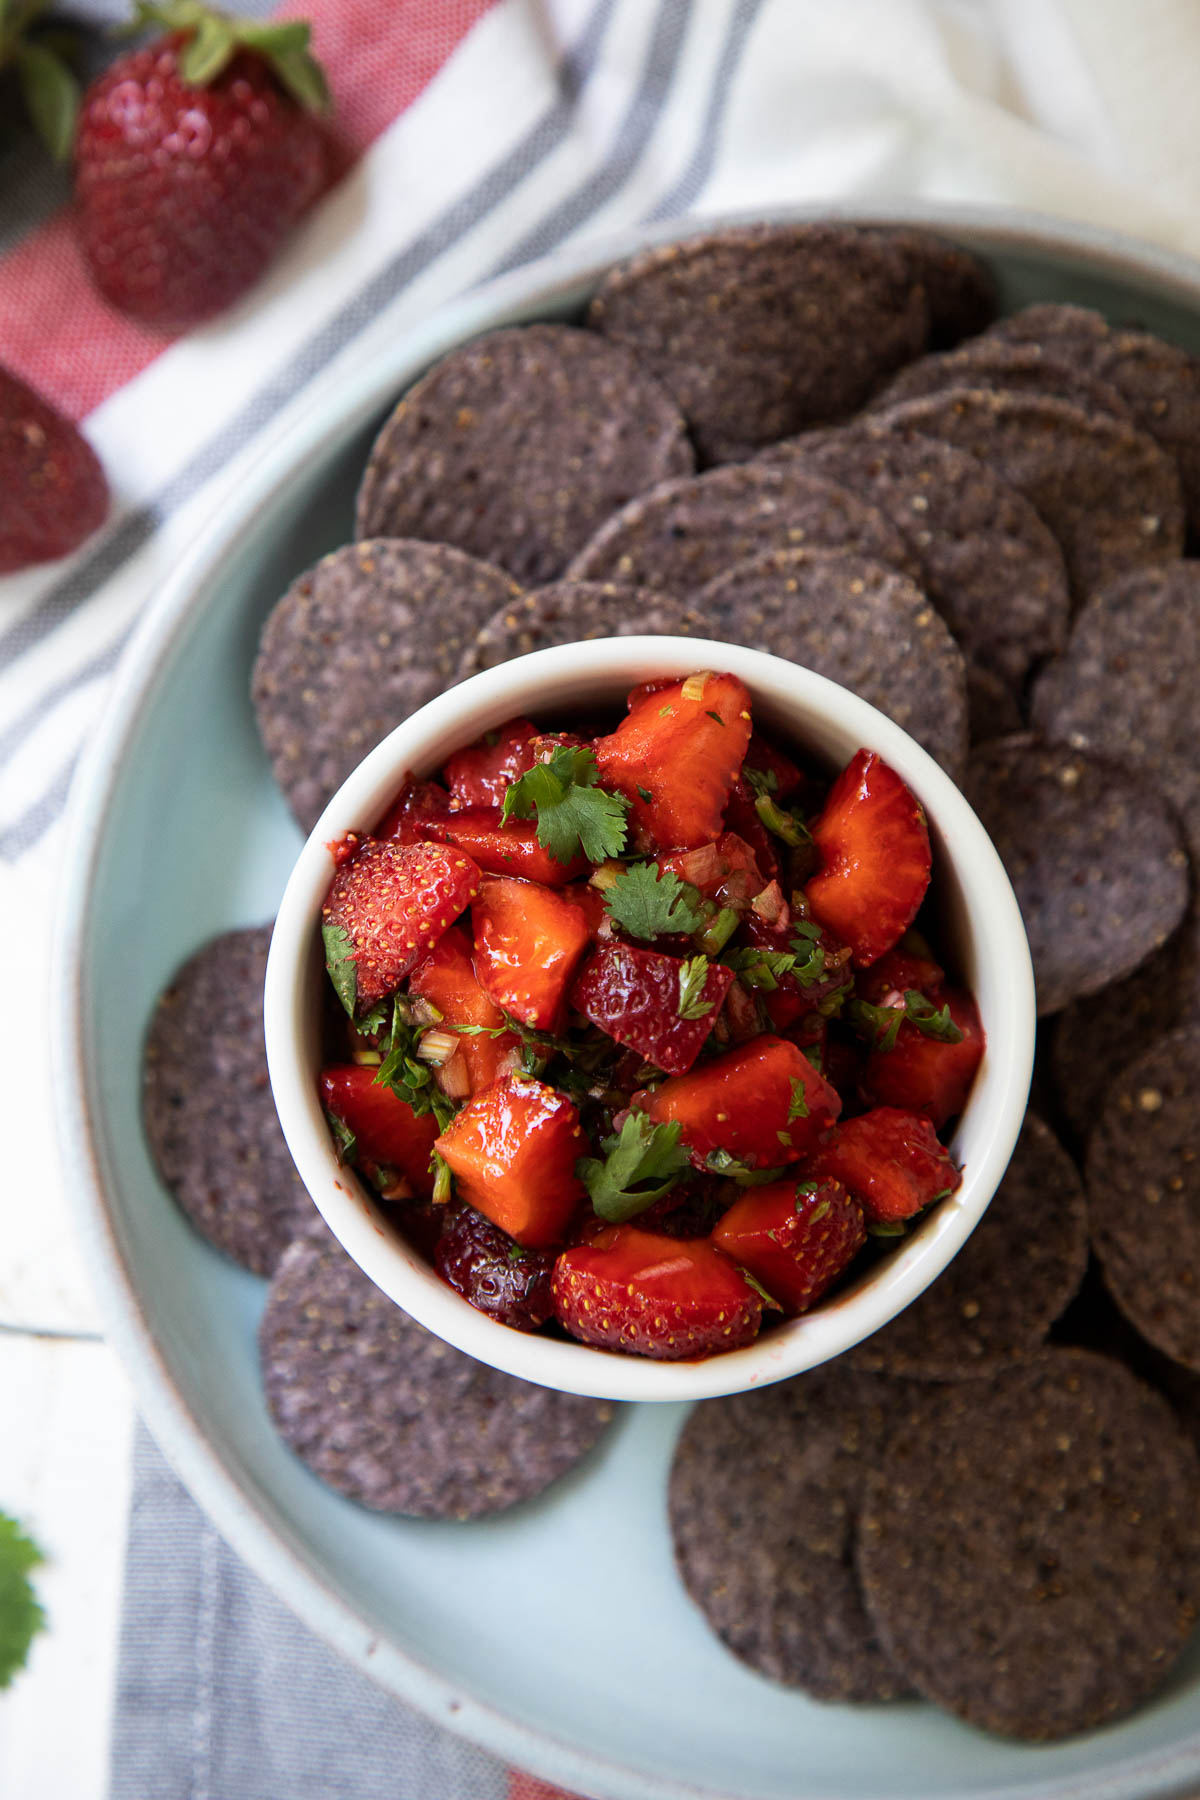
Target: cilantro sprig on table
x=572, y=812
x=649, y=902
x=882, y=1023
x=21, y=1617
x=641, y=1164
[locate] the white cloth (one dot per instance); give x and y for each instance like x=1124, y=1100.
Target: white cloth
x=553, y=122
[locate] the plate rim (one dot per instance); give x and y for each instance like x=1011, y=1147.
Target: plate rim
x=214, y=1477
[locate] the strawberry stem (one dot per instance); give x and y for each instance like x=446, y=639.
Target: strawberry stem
x=215, y=37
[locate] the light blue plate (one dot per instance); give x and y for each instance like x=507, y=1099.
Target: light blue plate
x=557, y=1635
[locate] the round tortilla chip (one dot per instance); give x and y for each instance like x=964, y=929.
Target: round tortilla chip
x=390, y=1415
x=1107, y=491
x=1126, y=683
x=761, y=330
x=1097, y=1038
x=357, y=644
x=1028, y=1547
x=764, y=1495
x=860, y=624
x=568, y=612
x=1143, y=1186
x=517, y=446
x=985, y=558
x=1012, y=1278
x=1158, y=381
x=685, y=533
x=207, y=1106
x=1096, y=860
x=992, y=362
x=994, y=705
x=960, y=290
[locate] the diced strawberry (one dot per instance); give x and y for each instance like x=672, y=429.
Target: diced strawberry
x=924, y=1074
x=393, y=901
x=740, y=1019
x=742, y=817
x=875, y=858
x=897, y=973
x=528, y=940
x=481, y=774
x=670, y=1298
x=446, y=978
x=511, y=849
x=388, y=1134
x=794, y=1236
x=684, y=751
x=842, y=1062
x=634, y=995
x=762, y=1102
x=497, y=1276
x=513, y=1150
x=415, y=808
x=591, y=901
x=769, y=760
x=726, y=871
x=889, y=1160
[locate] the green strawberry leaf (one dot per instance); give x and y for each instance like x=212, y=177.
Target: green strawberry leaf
x=21, y=1617
x=209, y=49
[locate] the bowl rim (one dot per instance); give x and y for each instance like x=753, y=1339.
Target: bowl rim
x=819, y=711
x=211, y=1472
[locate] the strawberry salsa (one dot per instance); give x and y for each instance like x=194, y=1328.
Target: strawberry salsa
x=637, y=1032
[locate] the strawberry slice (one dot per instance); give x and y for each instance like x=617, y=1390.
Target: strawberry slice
x=923, y=1074
x=875, y=858
x=897, y=973
x=890, y=1160
x=421, y=813
x=528, y=940
x=485, y=1266
x=386, y=906
x=389, y=1137
x=665, y=1297
x=682, y=746
x=763, y=1103
x=794, y=1236
x=480, y=775
x=446, y=978
x=513, y=1149
x=767, y=759
x=635, y=996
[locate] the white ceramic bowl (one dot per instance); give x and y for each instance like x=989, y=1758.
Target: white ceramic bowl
x=979, y=925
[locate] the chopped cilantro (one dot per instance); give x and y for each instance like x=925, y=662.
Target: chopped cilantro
x=885, y=1228
x=714, y=715
x=926, y=1017
x=815, y=1054
x=645, y=794
x=339, y=960
x=798, y=1109
x=374, y=1021
x=572, y=813
x=642, y=1153
x=819, y=1212
x=21, y=1618
x=760, y=968
x=753, y=1281
x=693, y=977
x=761, y=782
x=882, y=1023
x=410, y=1079
x=344, y=1141
x=805, y=1191
x=649, y=902
x=721, y=1162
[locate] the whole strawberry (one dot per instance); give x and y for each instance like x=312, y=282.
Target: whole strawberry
x=194, y=158
x=52, y=489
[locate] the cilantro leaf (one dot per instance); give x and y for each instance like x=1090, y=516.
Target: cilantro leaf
x=767, y=1299
x=927, y=1018
x=344, y=1141
x=760, y=968
x=572, y=812
x=649, y=902
x=642, y=1153
x=410, y=1079
x=339, y=961
x=761, y=782
x=879, y=1023
x=798, y=1107
x=693, y=977
x=21, y=1617
x=723, y=1162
